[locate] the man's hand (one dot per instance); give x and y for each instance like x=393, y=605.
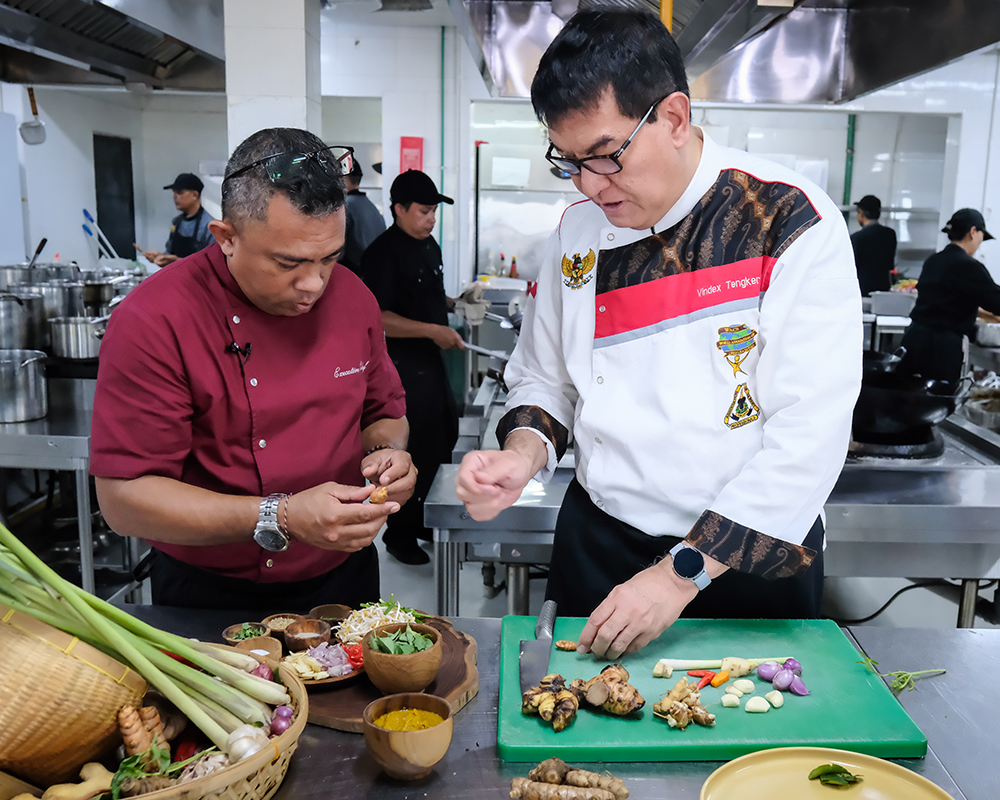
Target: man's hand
x=165, y=258
x=152, y=255
x=446, y=338
x=335, y=517
x=489, y=481
x=393, y=469
x=639, y=610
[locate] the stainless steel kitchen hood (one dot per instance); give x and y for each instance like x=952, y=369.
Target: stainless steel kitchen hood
x=175, y=44
x=753, y=51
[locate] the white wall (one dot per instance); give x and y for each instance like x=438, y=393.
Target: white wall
x=12, y=237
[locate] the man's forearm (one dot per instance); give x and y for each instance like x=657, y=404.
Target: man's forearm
x=166, y=510
x=529, y=445
x=398, y=327
x=392, y=432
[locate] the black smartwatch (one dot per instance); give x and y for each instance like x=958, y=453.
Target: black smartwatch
x=689, y=564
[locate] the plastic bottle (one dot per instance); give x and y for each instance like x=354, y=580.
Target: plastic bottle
x=491, y=268
x=513, y=266
x=503, y=266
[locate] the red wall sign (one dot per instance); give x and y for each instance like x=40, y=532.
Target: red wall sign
x=411, y=153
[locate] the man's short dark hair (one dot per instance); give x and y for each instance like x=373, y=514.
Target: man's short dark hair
x=629, y=51
x=315, y=190
x=356, y=173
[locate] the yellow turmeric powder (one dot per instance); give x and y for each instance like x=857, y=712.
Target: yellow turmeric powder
x=409, y=719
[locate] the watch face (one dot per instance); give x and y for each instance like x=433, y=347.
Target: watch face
x=688, y=562
x=270, y=539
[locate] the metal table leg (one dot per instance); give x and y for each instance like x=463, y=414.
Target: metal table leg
x=446, y=556
x=517, y=589
x=83, y=522
x=967, y=603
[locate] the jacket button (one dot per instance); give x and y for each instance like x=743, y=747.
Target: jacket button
x=600, y=379
x=236, y=320
x=601, y=309
x=262, y=444
x=611, y=237
x=269, y=562
x=253, y=381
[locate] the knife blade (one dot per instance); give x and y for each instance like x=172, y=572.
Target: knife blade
x=534, y=658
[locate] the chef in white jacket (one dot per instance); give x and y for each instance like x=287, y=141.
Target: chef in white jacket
x=696, y=324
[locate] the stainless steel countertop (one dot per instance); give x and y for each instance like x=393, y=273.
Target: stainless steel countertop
x=331, y=763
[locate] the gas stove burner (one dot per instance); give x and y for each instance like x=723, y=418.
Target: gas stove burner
x=921, y=442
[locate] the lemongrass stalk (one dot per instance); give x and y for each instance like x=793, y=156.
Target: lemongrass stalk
x=113, y=636
x=222, y=715
x=234, y=658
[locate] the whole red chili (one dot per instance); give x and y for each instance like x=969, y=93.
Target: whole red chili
x=699, y=673
x=706, y=679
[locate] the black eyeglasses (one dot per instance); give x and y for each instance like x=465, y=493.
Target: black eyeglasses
x=283, y=166
x=599, y=165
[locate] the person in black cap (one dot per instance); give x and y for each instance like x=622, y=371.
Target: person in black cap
x=874, y=247
x=189, y=229
x=402, y=267
x=953, y=286
x=364, y=222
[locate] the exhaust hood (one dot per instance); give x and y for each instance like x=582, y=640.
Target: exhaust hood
x=174, y=44
x=753, y=51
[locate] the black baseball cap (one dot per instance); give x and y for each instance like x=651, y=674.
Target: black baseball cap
x=184, y=181
x=870, y=206
x=413, y=186
x=964, y=220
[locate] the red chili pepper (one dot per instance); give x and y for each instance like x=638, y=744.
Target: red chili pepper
x=699, y=673
x=706, y=679
x=353, y=653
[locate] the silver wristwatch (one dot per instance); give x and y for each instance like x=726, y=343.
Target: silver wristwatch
x=268, y=533
x=689, y=563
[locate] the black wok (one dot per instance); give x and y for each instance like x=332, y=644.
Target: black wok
x=882, y=362
x=893, y=403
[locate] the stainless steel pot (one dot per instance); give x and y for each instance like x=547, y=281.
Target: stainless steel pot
x=54, y=271
x=77, y=337
x=18, y=275
x=98, y=292
x=23, y=394
x=22, y=318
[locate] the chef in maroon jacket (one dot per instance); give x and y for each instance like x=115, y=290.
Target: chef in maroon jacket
x=245, y=395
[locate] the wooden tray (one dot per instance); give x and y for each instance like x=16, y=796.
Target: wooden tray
x=340, y=707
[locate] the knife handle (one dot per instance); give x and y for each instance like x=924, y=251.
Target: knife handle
x=546, y=620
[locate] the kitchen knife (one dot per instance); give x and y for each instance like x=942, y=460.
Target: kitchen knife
x=534, y=659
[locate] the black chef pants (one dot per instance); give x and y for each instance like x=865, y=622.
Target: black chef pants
x=594, y=552
x=433, y=419
x=932, y=353
x=175, y=583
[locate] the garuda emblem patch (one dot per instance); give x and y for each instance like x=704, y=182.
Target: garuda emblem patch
x=578, y=271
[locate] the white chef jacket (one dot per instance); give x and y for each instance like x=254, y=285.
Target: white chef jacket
x=726, y=385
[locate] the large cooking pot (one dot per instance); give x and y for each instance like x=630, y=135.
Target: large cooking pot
x=77, y=337
x=54, y=271
x=62, y=298
x=22, y=317
x=100, y=291
x=23, y=393
x=893, y=403
x=19, y=275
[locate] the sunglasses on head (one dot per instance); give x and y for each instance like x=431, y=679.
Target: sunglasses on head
x=284, y=166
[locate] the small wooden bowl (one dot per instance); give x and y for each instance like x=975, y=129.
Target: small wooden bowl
x=407, y=755
x=271, y=646
x=305, y=633
x=229, y=633
x=334, y=613
x=402, y=673
x=278, y=630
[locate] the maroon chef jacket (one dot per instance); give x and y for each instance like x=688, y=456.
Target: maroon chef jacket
x=173, y=399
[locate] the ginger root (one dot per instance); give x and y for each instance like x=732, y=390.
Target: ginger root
x=611, y=691
x=531, y=790
x=554, y=778
x=682, y=705
x=552, y=700
x=96, y=781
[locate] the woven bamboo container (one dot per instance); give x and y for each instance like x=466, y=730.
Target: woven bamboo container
x=59, y=700
x=258, y=776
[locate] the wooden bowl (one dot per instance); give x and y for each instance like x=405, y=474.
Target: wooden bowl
x=270, y=646
x=229, y=633
x=402, y=673
x=305, y=633
x=334, y=613
x=278, y=628
x=407, y=755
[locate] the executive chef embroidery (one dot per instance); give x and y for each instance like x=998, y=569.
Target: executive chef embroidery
x=578, y=271
x=340, y=373
x=736, y=342
x=743, y=409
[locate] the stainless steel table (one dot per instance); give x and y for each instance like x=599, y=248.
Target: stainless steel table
x=59, y=441
x=885, y=518
x=331, y=763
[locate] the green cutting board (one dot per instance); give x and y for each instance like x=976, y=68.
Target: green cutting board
x=849, y=707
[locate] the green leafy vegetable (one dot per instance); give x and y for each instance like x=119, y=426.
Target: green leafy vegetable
x=834, y=775
x=401, y=643
x=390, y=604
x=248, y=631
x=159, y=760
x=900, y=679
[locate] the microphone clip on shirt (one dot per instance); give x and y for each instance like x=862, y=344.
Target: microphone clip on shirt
x=240, y=351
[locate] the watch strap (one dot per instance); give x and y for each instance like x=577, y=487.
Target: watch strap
x=699, y=578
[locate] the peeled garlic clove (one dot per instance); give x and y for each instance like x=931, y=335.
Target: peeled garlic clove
x=757, y=705
x=775, y=699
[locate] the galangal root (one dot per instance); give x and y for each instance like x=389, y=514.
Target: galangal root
x=682, y=705
x=554, y=779
x=611, y=691
x=553, y=701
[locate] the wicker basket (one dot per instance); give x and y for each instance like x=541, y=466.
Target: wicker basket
x=59, y=700
x=256, y=777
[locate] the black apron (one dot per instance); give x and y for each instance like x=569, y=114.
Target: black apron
x=183, y=246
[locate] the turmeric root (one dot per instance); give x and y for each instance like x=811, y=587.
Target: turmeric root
x=136, y=736
x=552, y=701
x=551, y=770
x=151, y=721
x=593, y=780
x=611, y=691
x=526, y=789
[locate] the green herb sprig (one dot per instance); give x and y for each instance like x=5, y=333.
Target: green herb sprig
x=159, y=758
x=834, y=775
x=900, y=678
x=390, y=604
